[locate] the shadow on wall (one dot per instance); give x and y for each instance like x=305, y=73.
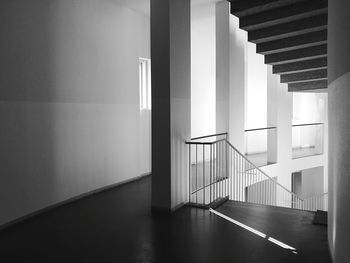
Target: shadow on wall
x=69, y=100
x=26, y=134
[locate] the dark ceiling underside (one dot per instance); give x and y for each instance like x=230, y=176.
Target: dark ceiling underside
x=292, y=35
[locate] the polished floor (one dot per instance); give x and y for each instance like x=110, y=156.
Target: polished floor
x=117, y=226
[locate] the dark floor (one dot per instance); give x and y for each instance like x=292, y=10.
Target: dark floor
x=117, y=226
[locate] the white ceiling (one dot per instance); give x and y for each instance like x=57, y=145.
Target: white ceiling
x=143, y=6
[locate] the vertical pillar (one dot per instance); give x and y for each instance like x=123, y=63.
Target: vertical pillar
x=339, y=129
x=272, y=109
x=238, y=73
x=203, y=69
x=171, y=94
x=222, y=32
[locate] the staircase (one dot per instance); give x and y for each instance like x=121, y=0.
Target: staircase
x=219, y=172
x=292, y=35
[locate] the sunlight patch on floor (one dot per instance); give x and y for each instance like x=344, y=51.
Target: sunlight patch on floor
x=271, y=239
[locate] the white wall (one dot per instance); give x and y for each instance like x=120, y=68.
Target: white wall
x=282, y=100
x=238, y=82
x=309, y=107
x=256, y=89
x=248, y=91
x=145, y=142
x=312, y=182
x=203, y=69
x=210, y=67
x=248, y=86
x=222, y=27
x=69, y=100
x=255, y=101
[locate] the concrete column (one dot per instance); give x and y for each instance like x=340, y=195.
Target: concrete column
x=222, y=33
x=238, y=76
x=171, y=104
x=279, y=114
x=203, y=69
x=210, y=68
x=339, y=132
x=272, y=115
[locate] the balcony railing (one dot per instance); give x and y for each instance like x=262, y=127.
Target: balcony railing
x=261, y=145
x=319, y=202
x=307, y=139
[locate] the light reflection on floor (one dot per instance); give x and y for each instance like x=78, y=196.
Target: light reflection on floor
x=271, y=239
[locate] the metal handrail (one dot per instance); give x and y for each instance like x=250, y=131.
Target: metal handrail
x=208, y=136
x=244, y=157
x=206, y=143
x=308, y=124
x=210, y=184
x=221, y=184
x=255, y=167
x=260, y=129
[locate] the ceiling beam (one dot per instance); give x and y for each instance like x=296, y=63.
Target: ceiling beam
x=301, y=66
x=241, y=8
x=292, y=43
x=311, y=90
x=283, y=14
x=290, y=29
x=310, y=85
x=320, y=74
x=296, y=55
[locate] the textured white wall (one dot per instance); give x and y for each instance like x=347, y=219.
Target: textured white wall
x=69, y=100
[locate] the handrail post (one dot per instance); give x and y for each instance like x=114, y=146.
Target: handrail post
x=211, y=164
x=196, y=173
x=204, y=174
x=189, y=174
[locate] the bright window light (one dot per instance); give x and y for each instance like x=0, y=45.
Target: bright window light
x=145, y=83
x=238, y=223
x=273, y=240
x=281, y=244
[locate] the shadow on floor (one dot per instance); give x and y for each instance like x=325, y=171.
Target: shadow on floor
x=117, y=226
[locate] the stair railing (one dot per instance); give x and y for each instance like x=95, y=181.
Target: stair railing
x=218, y=171
x=208, y=171
x=257, y=186
x=318, y=202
